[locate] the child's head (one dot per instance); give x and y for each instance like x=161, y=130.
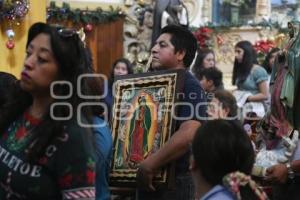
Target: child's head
x=223, y=105
x=211, y=79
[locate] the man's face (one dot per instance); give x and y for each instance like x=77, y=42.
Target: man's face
x=163, y=52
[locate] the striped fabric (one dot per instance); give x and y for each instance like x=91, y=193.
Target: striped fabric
x=79, y=193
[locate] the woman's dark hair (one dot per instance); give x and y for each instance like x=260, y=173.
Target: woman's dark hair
x=266, y=63
x=242, y=70
x=228, y=101
x=71, y=57
x=198, y=64
x=221, y=147
x=7, y=82
x=120, y=60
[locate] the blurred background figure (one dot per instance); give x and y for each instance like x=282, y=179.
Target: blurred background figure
x=120, y=67
x=269, y=61
x=205, y=59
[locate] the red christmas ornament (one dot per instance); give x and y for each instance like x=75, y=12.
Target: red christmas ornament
x=88, y=27
x=10, y=44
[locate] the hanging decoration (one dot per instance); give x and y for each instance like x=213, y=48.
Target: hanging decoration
x=12, y=11
x=84, y=17
x=10, y=44
x=88, y=27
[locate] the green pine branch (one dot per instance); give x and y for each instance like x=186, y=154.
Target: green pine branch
x=77, y=16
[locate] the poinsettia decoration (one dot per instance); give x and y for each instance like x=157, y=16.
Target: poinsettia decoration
x=262, y=47
x=204, y=37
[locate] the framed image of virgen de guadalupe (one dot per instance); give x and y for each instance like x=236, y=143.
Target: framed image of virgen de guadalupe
x=142, y=122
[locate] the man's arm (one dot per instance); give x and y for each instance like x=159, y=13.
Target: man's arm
x=177, y=146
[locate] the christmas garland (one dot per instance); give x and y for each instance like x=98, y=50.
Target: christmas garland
x=13, y=11
x=78, y=16
x=227, y=26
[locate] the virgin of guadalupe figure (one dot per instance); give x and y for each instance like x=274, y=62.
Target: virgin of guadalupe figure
x=138, y=132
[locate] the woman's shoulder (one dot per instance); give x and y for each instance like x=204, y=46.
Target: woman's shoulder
x=259, y=72
x=258, y=69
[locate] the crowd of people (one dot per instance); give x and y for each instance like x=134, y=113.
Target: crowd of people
x=47, y=152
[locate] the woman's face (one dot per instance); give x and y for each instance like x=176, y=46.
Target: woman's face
x=209, y=60
x=239, y=54
x=40, y=66
x=120, y=69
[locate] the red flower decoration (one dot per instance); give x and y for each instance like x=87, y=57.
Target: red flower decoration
x=203, y=36
x=90, y=175
x=21, y=132
x=65, y=181
x=263, y=46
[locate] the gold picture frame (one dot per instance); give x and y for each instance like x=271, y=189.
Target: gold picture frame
x=142, y=121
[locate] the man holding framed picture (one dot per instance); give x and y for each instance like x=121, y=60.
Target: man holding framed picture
x=175, y=49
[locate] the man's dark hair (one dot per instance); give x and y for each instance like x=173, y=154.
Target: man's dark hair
x=183, y=40
x=221, y=147
x=214, y=75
